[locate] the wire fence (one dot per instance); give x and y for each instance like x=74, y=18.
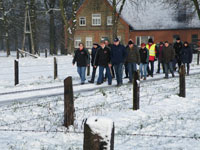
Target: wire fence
x=195, y=137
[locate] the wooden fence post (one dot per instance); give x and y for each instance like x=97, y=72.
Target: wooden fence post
x=98, y=137
x=198, y=53
x=55, y=69
x=16, y=65
x=182, y=92
x=136, y=90
x=45, y=53
x=17, y=52
x=68, y=102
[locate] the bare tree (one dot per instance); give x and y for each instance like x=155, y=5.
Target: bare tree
x=50, y=5
x=5, y=24
x=70, y=23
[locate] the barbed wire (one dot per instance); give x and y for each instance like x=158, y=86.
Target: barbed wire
x=195, y=137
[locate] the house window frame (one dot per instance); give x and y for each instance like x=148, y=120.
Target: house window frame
x=175, y=36
x=77, y=41
x=194, y=40
x=140, y=39
x=80, y=21
x=88, y=42
x=109, y=21
x=95, y=19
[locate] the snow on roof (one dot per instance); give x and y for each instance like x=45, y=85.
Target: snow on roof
x=101, y=126
x=152, y=16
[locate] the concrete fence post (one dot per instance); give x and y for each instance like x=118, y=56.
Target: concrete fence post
x=98, y=134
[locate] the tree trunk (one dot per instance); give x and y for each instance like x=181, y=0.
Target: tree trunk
x=33, y=24
x=52, y=33
x=196, y=4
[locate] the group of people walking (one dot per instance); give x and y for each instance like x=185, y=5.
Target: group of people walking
x=112, y=57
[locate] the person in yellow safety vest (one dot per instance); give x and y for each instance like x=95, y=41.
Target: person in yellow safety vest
x=152, y=56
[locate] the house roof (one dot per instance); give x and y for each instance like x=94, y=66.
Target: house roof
x=154, y=16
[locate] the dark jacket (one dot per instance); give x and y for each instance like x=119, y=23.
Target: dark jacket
x=186, y=54
x=168, y=54
x=81, y=57
x=178, y=47
x=159, y=53
x=118, y=54
x=102, y=57
x=144, y=55
x=133, y=55
x=94, y=51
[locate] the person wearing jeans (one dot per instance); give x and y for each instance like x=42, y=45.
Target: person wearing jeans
x=133, y=58
x=144, y=59
x=151, y=46
x=118, y=56
x=168, y=55
x=103, y=61
x=81, y=57
x=81, y=72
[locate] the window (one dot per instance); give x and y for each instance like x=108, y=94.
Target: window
x=82, y=21
x=109, y=20
x=96, y=19
x=174, y=38
x=143, y=39
x=76, y=42
x=88, y=42
x=194, y=38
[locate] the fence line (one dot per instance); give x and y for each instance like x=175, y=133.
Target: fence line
x=117, y=134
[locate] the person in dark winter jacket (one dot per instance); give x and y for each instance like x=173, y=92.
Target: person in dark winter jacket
x=144, y=60
x=133, y=58
x=186, y=55
x=159, y=56
x=109, y=46
x=81, y=57
x=118, y=56
x=177, y=46
x=103, y=60
x=93, y=55
x=168, y=55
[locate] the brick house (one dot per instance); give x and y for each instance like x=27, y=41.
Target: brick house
x=94, y=22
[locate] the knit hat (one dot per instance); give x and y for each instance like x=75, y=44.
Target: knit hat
x=150, y=41
x=130, y=42
x=143, y=44
x=95, y=44
x=178, y=38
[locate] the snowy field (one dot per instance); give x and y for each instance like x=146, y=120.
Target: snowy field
x=31, y=113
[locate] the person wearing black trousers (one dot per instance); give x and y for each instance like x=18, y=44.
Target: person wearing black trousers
x=186, y=56
x=112, y=69
x=93, y=55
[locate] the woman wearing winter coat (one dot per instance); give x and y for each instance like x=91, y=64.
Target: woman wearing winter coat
x=144, y=60
x=82, y=59
x=186, y=56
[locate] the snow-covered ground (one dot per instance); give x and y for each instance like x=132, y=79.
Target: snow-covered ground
x=164, y=121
